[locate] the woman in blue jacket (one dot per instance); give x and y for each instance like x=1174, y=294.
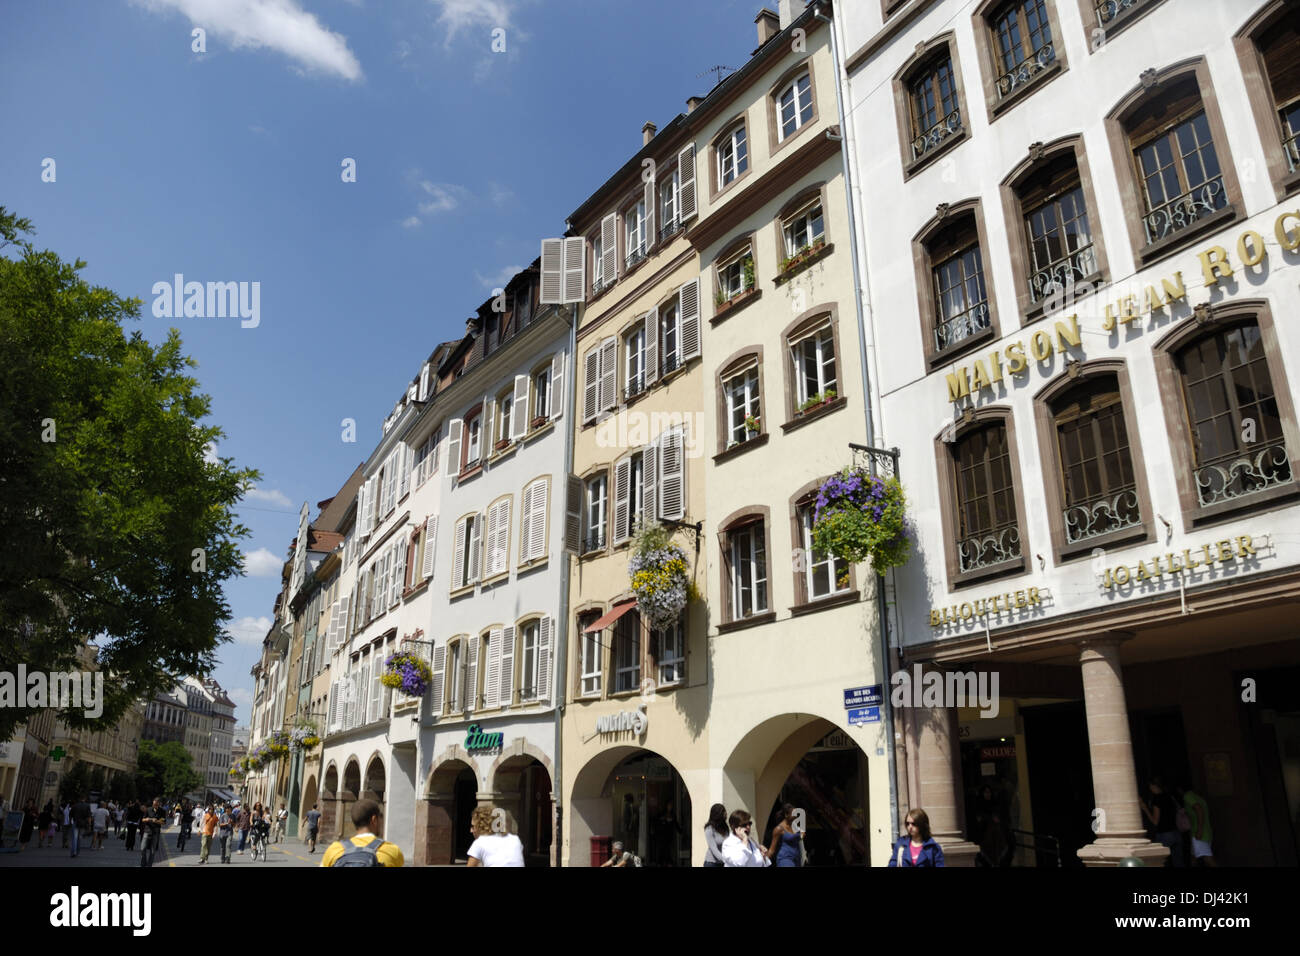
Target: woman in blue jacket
x=918, y=848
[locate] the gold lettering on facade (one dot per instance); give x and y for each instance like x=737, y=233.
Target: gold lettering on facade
x=1214, y=265
x=1244, y=546
x=958, y=385
x=1033, y=596
x=1225, y=552
x=1290, y=241
x=1020, y=600
x=980, y=378
x=1040, y=346
x=995, y=363
x=1174, y=290
x=1251, y=258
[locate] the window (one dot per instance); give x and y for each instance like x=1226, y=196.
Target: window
x=474, y=430
x=813, y=357
x=542, y=394
x=636, y=484
x=732, y=156
x=669, y=204
x=794, y=105
x=1226, y=383
x=455, y=677
x=635, y=239
x=1282, y=61
x=627, y=652
x=592, y=657
x=1058, y=237
x=804, y=229
x=634, y=350
x=735, y=275
x=497, y=542
x=503, y=420
x=935, y=113
x=468, y=551
x=534, y=505
x=669, y=650
x=1098, y=483
x=598, y=281
x=988, y=531
x=670, y=354
x=823, y=575
x=595, y=512
x=741, y=392
x=1268, y=48
x=748, y=570
x=960, y=295
x=529, y=658
x=1022, y=41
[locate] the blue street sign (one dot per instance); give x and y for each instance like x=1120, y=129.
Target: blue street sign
x=864, y=715
x=862, y=696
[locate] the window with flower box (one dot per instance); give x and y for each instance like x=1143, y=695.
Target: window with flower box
x=741, y=391
x=734, y=275
x=804, y=231
x=812, y=355
x=821, y=575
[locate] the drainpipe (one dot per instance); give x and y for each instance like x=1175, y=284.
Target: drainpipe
x=558, y=683
x=862, y=301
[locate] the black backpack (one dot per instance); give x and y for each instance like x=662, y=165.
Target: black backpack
x=354, y=855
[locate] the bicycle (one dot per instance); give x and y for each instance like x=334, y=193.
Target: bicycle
x=259, y=841
x=182, y=838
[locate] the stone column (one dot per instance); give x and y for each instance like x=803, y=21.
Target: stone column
x=940, y=783
x=1114, y=778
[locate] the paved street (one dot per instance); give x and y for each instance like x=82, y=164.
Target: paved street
x=288, y=853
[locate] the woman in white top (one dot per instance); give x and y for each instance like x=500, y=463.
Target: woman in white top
x=493, y=844
x=739, y=849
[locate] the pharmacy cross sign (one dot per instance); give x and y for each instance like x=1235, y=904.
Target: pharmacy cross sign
x=58, y=753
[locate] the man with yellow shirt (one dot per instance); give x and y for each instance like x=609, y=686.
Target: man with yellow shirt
x=367, y=847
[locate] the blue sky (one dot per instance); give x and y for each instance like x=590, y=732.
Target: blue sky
x=225, y=165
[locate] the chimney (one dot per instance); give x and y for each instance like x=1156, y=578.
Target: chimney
x=790, y=10
x=769, y=25
x=693, y=102
x=648, y=133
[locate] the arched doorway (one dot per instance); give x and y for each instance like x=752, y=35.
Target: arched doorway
x=636, y=796
x=309, y=797
x=374, y=786
x=329, y=824
x=523, y=787
x=816, y=767
x=348, y=796
x=453, y=795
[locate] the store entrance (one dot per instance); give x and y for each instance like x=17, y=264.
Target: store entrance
x=1060, y=778
x=829, y=785
x=1274, y=734
x=466, y=799
x=652, y=810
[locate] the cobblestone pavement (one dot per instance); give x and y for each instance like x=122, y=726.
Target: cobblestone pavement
x=290, y=852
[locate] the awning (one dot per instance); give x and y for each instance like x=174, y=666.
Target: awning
x=614, y=613
x=224, y=795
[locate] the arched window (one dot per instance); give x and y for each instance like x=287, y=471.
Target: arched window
x=1098, y=482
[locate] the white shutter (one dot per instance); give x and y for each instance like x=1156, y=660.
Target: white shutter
x=492, y=679
x=486, y=437
x=471, y=675
x=458, y=557
x=649, y=482
x=498, y=538
x=541, y=505
x=519, y=408
x=399, y=575
x=573, y=516
x=622, y=492
x=525, y=522
x=455, y=430
x=363, y=509
x=439, y=679
x=372, y=503
x=349, y=690
x=686, y=183
x=376, y=685
x=558, y=398
x=490, y=559
x=404, y=465
x=689, y=310
x=553, y=272
x=650, y=213
x=430, y=540
x=545, y=627
x=343, y=632
x=332, y=630
x=672, y=480
x=475, y=545
x=609, y=246
x=507, y=694
x=608, y=373
x=591, y=387
x=575, y=269
x=652, y=347
x=424, y=382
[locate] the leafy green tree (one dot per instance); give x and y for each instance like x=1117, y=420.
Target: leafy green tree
x=76, y=781
x=117, y=526
x=97, y=778
x=122, y=787
x=165, y=770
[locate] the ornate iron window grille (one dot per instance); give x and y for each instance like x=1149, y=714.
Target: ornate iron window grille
x=939, y=133
x=669, y=228
x=1181, y=211
x=1241, y=474
x=1060, y=274
x=987, y=549
x=1027, y=70
x=635, y=386
x=1110, y=10
x=962, y=325
x=1290, y=116
x=1089, y=519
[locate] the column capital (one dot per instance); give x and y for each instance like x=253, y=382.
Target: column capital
x=1102, y=640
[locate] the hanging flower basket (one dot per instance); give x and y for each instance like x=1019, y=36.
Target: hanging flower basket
x=303, y=737
x=660, y=576
x=277, y=746
x=409, y=674
x=858, y=516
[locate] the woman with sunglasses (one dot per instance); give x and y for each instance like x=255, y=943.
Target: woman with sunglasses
x=918, y=848
x=739, y=849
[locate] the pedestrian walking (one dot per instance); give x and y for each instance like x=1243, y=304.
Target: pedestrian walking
x=80, y=821
x=1197, y=814
x=917, y=847
x=207, y=829
x=119, y=814
x=787, y=842
x=740, y=849
x=1162, y=812
x=44, y=823
x=494, y=844
x=313, y=827
x=367, y=847
x=225, y=826
x=281, y=820
x=243, y=821
x=100, y=821
x=153, y=819
x=715, y=834
x=196, y=816
x=185, y=822
x=65, y=820
x=31, y=820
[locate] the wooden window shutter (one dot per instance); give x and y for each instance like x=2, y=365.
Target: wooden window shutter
x=475, y=546
x=537, y=528
x=404, y=469
x=401, y=574
x=649, y=482
x=558, y=398
x=343, y=632
x=652, y=346
x=492, y=679
x=430, y=546
x=471, y=676
x=609, y=374
x=458, y=565
x=455, y=430
x=650, y=213
x=545, y=628
x=573, y=516
x=672, y=481
x=686, y=183
x=424, y=383
x=552, y=272
x=622, y=497
x=525, y=522
x=439, y=681
x=486, y=436
x=689, y=311
x=500, y=538
x=575, y=269
x=591, y=387
x=609, y=246
x=506, y=684
x=519, y=408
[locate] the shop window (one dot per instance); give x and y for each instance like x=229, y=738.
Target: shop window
x=627, y=652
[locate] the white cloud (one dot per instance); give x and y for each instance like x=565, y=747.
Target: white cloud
x=280, y=25
x=410, y=222
x=262, y=564
x=272, y=496
x=248, y=630
x=444, y=197
x=457, y=15
x=210, y=454
x=499, y=280
x=500, y=195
